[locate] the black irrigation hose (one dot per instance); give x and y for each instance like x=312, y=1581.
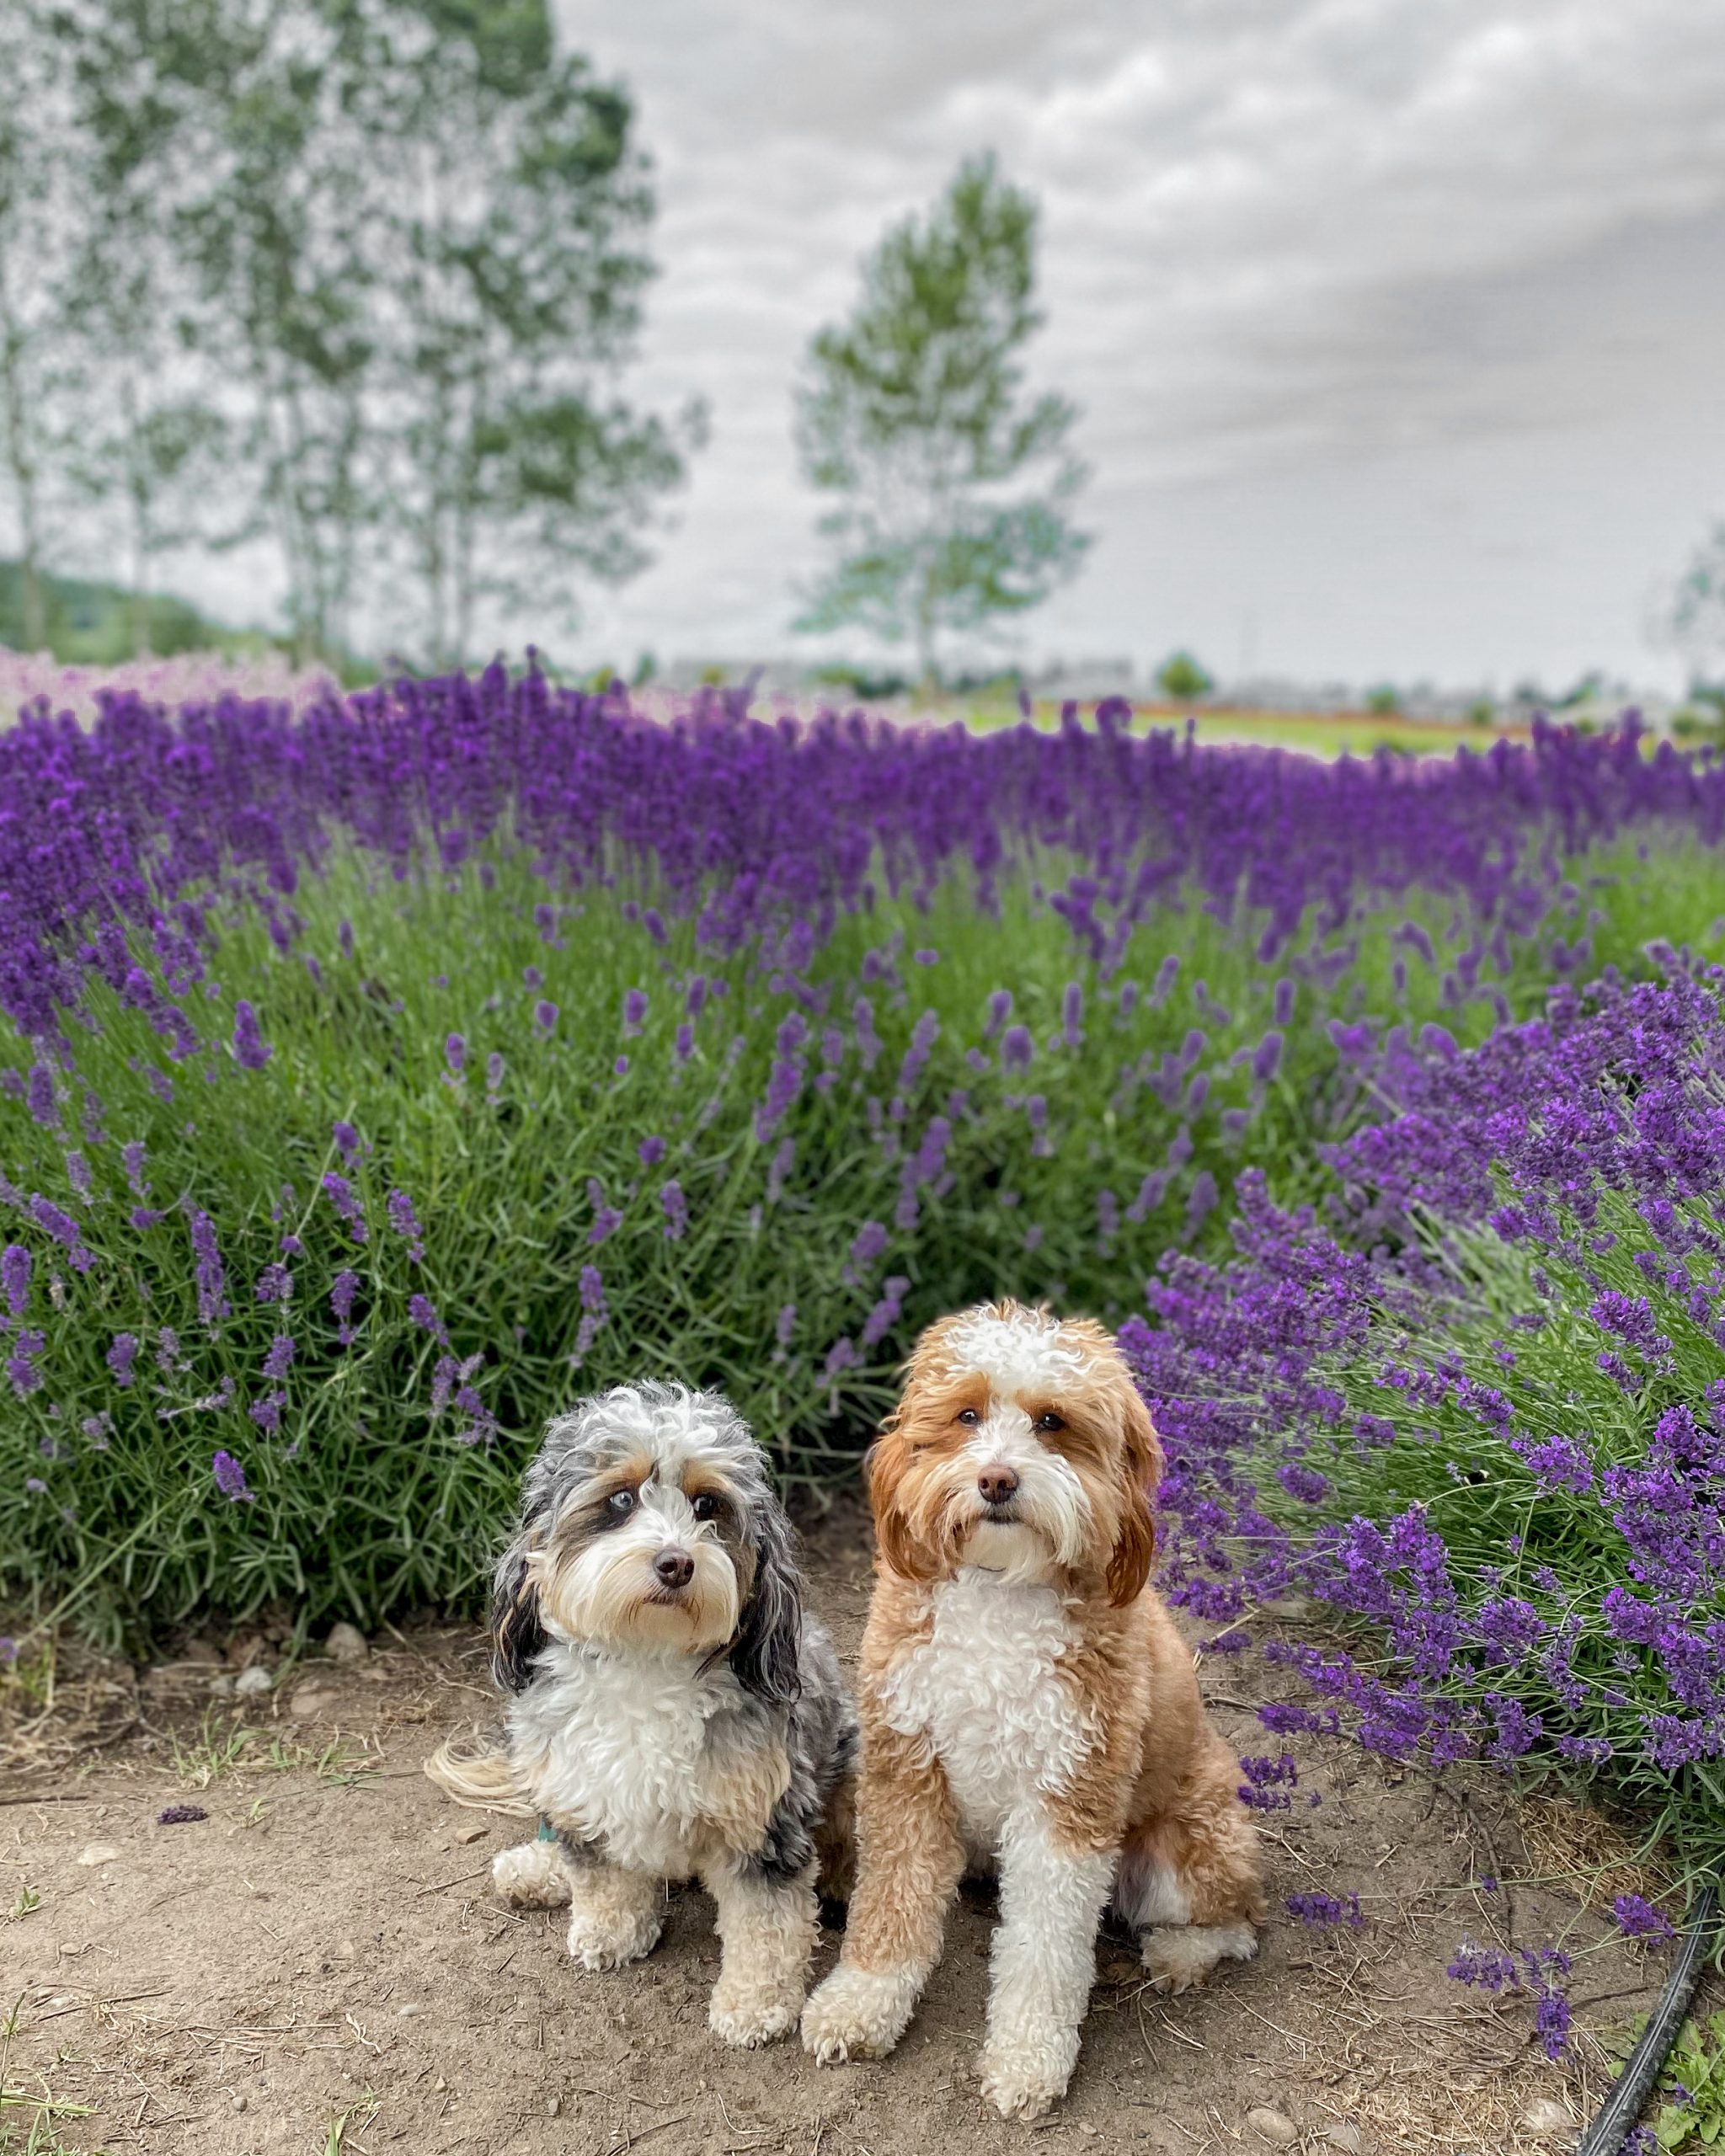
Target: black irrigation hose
x=1618, y=2114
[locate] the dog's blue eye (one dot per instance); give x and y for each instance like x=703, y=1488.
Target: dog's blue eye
x=967, y=1415
x=620, y=1502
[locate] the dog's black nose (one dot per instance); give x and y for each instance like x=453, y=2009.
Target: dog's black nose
x=675, y=1567
x=997, y=1484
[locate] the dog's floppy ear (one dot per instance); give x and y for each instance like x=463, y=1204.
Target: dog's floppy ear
x=517, y=1633
x=767, y=1652
x=899, y=1549
x=1140, y=1470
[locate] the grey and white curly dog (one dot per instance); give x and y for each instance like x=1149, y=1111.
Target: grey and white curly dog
x=676, y=1713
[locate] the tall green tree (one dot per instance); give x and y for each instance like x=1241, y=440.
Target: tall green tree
x=508, y=282
x=150, y=435
x=232, y=121
x=39, y=370
x=953, y=485
x=1695, y=615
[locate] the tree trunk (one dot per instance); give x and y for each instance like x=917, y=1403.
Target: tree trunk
x=137, y=599
x=22, y=466
x=927, y=680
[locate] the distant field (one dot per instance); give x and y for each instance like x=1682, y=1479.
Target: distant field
x=1320, y=734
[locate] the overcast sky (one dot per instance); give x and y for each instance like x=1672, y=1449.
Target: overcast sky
x=1398, y=326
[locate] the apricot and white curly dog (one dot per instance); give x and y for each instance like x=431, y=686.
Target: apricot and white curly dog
x=1027, y=1707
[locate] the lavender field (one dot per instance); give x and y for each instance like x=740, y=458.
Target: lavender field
x=379, y=1077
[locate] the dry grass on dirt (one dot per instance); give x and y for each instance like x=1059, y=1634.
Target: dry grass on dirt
x=319, y=1964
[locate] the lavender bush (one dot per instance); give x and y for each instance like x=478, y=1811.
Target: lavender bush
x=1475, y=1406
x=386, y=1072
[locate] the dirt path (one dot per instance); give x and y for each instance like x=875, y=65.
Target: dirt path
x=325, y=1947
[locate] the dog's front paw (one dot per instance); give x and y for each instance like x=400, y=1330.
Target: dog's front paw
x=1023, y=2078
x=603, y=1937
x=857, y=2013
x=1180, y=1956
x=749, y=2012
x=533, y=1875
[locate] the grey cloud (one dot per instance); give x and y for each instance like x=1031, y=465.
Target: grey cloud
x=1397, y=323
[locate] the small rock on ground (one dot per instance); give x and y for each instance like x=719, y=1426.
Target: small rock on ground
x=251, y=1681
x=346, y=1644
x=1272, y=2126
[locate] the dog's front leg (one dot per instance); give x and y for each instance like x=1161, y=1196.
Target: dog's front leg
x=1051, y=1897
x=909, y=1859
x=767, y=1927
x=615, y=1916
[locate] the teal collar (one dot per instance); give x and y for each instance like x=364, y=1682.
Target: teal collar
x=546, y=1832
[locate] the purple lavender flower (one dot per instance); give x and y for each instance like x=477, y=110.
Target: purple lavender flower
x=343, y=1289
x=274, y=1284
x=399, y=1207
x=250, y=1048
x=120, y=1356
x=1017, y=1048
x=28, y=1348
x=78, y=1172
x=650, y=1152
x=280, y=1360
x=786, y=1325
x=132, y=1156
x=593, y=1292
x=1637, y=1918
x=424, y=1313
x=606, y=1219
x=887, y=1311
x=867, y=1244
x=230, y=1479
x=211, y=1280
x=545, y=1016
x=634, y=1012
x=64, y=1229
x=493, y=1072
x=1324, y=1909
x=343, y=1196
x=677, y=1211
x=455, y=1053
x=347, y=1141
x=15, y=1268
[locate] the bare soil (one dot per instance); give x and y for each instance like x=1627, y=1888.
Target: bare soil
x=319, y=1964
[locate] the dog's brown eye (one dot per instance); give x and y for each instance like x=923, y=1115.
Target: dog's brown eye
x=1048, y=1420
x=968, y=1416
x=620, y=1503
x=706, y=1505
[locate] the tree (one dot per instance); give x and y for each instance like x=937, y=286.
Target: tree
x=953, y=486
x=148, y=432
x=512, y=205
x=232, y=121
x=1695, y=617
x=1182, y=680
x=38, y=373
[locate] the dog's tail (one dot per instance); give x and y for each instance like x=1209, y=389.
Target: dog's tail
x=475, y=1770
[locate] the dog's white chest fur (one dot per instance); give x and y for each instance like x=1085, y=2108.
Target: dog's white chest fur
x=621, y=1737
x=985, y=1689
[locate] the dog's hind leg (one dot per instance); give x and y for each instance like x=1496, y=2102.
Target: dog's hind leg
x=533, y=1875
x=1188, y=1880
